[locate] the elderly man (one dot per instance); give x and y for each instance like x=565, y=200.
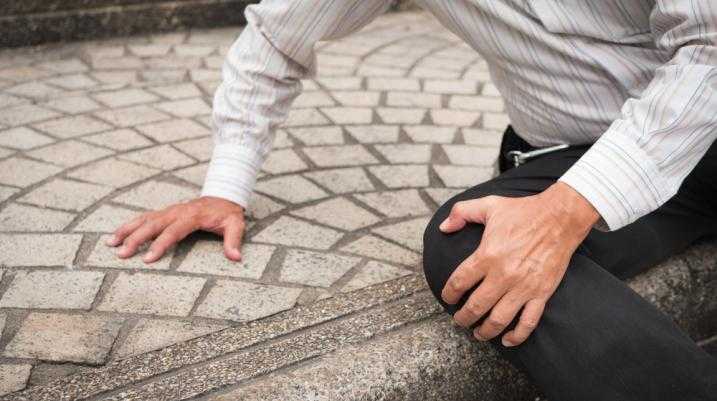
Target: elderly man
x=607, y=169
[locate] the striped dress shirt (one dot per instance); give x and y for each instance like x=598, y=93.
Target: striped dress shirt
x=635, y=78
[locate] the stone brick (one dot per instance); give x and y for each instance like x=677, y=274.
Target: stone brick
x=470, y=155
x=292, y=188
x=173, y=130
x=23, y=172
x=455, y=117
x=412, y=99
x=7, y=192
x=401, y=203
x=194, y=174
x=152, y=294
x=7, y=100
x=401, y=176
x=451, y=87
x=177, y=91
x=23, y=138
x=377, y=248
x=34, y=90
x=52, y=290
x=338, y=213
x=106, y=219
x=13, y=377
x=482, y=137
x=121, y=139
x=155, y=195
x=374, y=133
x=70, y=127
x=293, y=232
x=442, y=195
x=478, y=103
x=406, y=153
x=73, y=105
x=374, y=273
x=153, y=334
x=115, y=77
x=64, y=338
x=315, y=269
x=313, y=99
x=340, y=83
x=334, y=156
x=342, y=180
x=185, y=107
x=495, y=121
x=357, y=98
x=232, y=300
x=283, y=161
x=15, y=217
x=131, y=116
x=69, y=153
x=113, y=172
x=490, y=89
x=162, y=157
x=349, y=115
x=125, y=97
x=463, y=176
x=401, y=115
x=260, y=206
x=305, y=117
x=106, y=256
x=430, y=133
x=408, y=233
x=25, y=114
x=73, y=82
x=21, y=250
x=146, y=50
x=207, y=257
x=319, y=135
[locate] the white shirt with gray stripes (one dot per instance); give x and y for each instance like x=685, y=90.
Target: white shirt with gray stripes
x=637, y=78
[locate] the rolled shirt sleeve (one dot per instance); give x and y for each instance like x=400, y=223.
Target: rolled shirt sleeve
x=639, y=163
x=262, y=75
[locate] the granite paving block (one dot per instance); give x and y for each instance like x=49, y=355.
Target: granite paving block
x=471, y=155
x=374, y=133
x=391, y=115
x=431, y=133
x=357, y=98
x=305, y=117
x=207, y=257
x=237, y=301
x=331, y=135
x=70, y=127
x=401, y=176
x=106, y=257
x=121, y=139
x=162, y=157
x=52, y=290
x=21, y=172
x=349, y=115
x=7, y=192
x=342, y=180
x=72, y=105
x=151, y=334
x=152, y=294
x=20, y=250
x=155, y=195
x=495, y=121
x=292, y=188
x=463, y=176
x=199, y=148
x=481, y=137
x=13, y=377
x=16, y=217
x=400, y=203
x=408, y=233
x=23, y=138
x=374, y=273
x=69, y=153
x=25, y=114
x=107, y=218
x=177, y=90
x=338, y=213
x=377, y=248
x=335, y=156
x=125, y=97
x=283, y=161
x=405, y=153
x=293, y=232
x=314, y=268
x=64, y=338
x=173, y=130
x=131, y=116
x=313, y=99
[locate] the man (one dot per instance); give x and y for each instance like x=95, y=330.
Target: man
x=629, y=85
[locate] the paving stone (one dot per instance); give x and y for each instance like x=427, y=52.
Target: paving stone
x=442, y=195
x=232, y=300
x=60, y=338
x=13, y=377
x=314, y=268
x=106, y=256
x=408, y=233
x=395, y=203
x=394, y=84
x=117, y=63
x=113, y=172
x=319, y=135
x=429, y=72
x=177, y=91
x=430, y=133
x=413, y=99
x=25, y=114
x=185, y=108
x=338, y=213
x=470, y=155
x=495, y=121
x=282, y=140
x=305, y=117
x=52, y=290
x=3, y=316
x=106, y=219
x=15, y=217
x=313, y=99
x=482, y=137
x=340, y=83
x=374, y=273
x=69, y=153
x=7, y=100
x=334, y=156
x=125, y=97
x=260, y=206
x=366, y=70
x=121, y=139
x=324, y=59
x=152, y=294
x=21, y=250
x=194, y=174
x=73, y=82
x=70, y=127
x=406, y=153
x=357, y=98
x=153, y=334
x=73, y=105
x=162, y=76
x=463, y=176
x=23, y=73
x=293, y=189
x=199, y=148
x=349, y=115
x=293, y=232
x=115, y=77
x=374, y=133
x=207, y=257
x=377, y=248
x=489, y=89
x=173, y=130
x=156, y=195
x=342, y=180
x=146, y=50
x=401, y=176
x=6, y=152
x=34, y=90
x=162, y=157
x=283, y=161
x=23, y=172
x=23, y=138
x=455, y=117
x=401, y=115
x=131, y=116
x=7, y=192
x=477, y=103
x=452, y=87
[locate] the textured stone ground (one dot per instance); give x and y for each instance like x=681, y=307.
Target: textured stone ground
x=401, y=116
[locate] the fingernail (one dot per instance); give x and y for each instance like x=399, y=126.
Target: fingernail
x=507, y=343
x=121, y=250
x=478, y=337
x=149, y=256
x=443, y=225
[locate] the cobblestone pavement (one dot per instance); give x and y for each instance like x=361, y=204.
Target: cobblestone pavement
x=401, y=116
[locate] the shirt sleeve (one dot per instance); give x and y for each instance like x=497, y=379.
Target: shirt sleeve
x=641, y=160
x=262, y=75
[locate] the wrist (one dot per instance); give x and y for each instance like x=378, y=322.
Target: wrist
x=571, y=208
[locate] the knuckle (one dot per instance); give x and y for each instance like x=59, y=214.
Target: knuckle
x=474, y=308
x=497, y=322
x=530, y=324
x=456, y=284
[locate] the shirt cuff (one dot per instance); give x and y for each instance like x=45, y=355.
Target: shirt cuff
x=619, y=179
x=232, y=173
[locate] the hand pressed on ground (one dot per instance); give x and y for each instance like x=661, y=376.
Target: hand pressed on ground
x=167, y=227
x=522, y=257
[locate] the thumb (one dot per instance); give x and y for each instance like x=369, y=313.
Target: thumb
x=233, y=233
x=470, y=211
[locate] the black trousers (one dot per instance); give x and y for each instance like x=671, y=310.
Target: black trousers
x=598, y=339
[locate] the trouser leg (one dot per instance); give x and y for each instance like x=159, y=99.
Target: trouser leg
x=598, y=339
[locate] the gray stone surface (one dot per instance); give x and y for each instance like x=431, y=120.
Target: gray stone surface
x=314, y=268
x=13, y=377
x=238, y=301
x=207, y=257
x=52, y=290
x=20, y=250
x=151, y=334
x=152, y=294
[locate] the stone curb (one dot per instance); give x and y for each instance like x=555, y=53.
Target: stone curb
x=387, y=342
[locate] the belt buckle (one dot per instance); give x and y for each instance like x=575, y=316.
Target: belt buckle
x=518, y=158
